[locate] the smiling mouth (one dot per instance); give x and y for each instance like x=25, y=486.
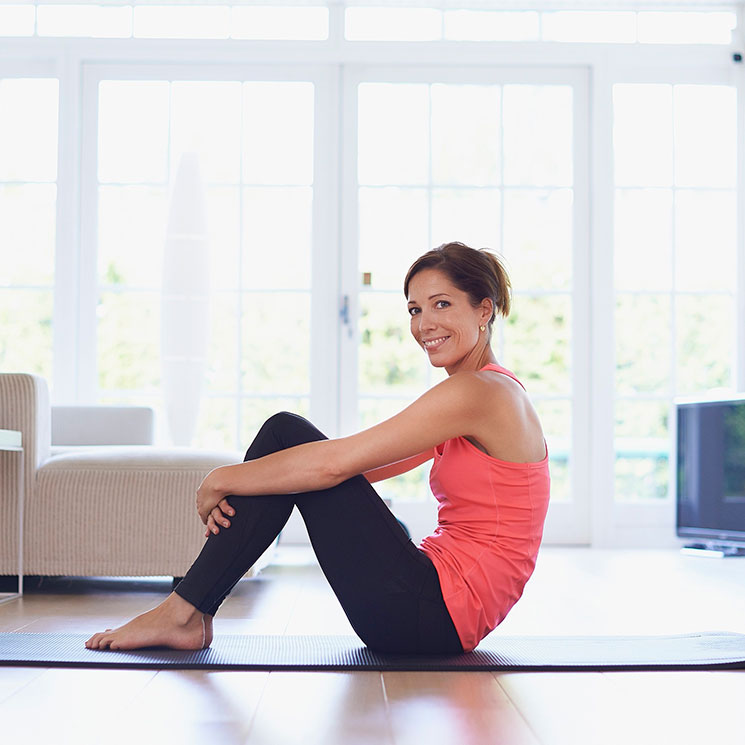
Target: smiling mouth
x=434, y=343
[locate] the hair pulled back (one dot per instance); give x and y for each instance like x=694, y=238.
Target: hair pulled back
x=477, y=272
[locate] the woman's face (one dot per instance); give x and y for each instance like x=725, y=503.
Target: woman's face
x=445, y=324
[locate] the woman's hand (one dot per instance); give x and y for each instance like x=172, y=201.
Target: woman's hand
x=210, y=497
x=218, y=517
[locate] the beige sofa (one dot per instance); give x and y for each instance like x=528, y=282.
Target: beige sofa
x=100, y=510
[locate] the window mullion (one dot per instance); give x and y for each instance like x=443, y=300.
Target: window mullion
x=66, y=271
x=602, y=303
x=87, y=300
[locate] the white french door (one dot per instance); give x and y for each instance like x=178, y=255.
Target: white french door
x=492, y=157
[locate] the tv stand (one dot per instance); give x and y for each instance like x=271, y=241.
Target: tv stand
x=713, y=550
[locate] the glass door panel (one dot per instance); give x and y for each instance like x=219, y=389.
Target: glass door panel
x=254, y=144
x=484, y=161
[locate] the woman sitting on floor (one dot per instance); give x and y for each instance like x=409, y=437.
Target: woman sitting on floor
x=489, y=476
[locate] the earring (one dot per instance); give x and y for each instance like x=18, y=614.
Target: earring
x=482, y=328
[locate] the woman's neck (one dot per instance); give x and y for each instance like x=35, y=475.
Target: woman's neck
x=474, y=361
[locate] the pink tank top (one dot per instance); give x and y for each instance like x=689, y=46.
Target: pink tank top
x=490, y=516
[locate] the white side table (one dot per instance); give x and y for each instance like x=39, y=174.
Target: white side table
x=12, y=441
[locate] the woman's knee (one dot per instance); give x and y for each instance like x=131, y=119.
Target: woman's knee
x=281, y=421
x=293, y=428
x=280, y=431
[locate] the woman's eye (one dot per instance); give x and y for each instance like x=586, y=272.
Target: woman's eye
x=442, y=303
x=413, y=311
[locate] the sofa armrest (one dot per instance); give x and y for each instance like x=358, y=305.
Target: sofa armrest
x=24, y=406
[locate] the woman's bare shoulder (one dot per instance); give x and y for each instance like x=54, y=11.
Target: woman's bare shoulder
x=493, y=386
x=507, y=425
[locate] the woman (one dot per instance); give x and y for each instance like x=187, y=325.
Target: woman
x=490, y=478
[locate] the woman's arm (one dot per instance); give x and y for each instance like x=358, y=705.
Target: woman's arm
x=396, y=469
x=456, y=406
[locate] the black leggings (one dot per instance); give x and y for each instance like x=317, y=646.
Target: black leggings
x=388, y=588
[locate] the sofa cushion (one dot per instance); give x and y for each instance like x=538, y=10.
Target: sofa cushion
x=102, y=425
x=137, y=458
x=124, y=510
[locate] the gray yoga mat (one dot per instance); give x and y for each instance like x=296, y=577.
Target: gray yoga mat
x=710, y=650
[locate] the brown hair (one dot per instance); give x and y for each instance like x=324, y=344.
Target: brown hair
x=477, y=272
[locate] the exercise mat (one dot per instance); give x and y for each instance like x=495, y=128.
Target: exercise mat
x=711, y=650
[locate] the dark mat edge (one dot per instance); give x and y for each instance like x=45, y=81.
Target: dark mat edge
x=376, y=667
x=380, y=662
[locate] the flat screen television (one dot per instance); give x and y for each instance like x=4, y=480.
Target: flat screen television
x=711, y=476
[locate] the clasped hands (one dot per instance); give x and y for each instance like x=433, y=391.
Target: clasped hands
x=212, y=504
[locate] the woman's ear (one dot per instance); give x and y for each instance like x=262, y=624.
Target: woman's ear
x=487, y=310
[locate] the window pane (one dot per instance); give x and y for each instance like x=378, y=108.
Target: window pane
x=705, y=135
x=393, y=233
x=538, y=238
x=491, y=25
x=255, y=411
x=465, y=135
x=686, y=27
x=375, y=410
x=390, y=361
x=83, y=20
x=538, y=135
x=28, y=129
x=27, y=233
x=393, y=136
x=706, y=240
x=133, y=131
x=17, y=20
x=131, y=235
x=206, y=119
x=182, y=22
x=412, y=486
x=470, y=216
x=643, y=362
x=392, y=24
x=643, y=223
x=278, y=133
x=537, y=342
x=642, y=443
x=556, y=420
x=129, y=341
x=26, y=331
x=705, y=341
x=645, y=419
x=275, y=340
x=279, y=23
x=277, y=237
x=217, y=424
x=224, y=344
x=639, y=476
x=642, y=135
x=223, y=207
x=589, y=26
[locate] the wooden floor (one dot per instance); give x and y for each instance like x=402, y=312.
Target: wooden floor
x=574, y=591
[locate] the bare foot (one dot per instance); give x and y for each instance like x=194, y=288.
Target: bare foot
x=208, y=632
x=175, y=623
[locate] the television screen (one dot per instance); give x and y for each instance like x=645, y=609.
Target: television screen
x=711, y=471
